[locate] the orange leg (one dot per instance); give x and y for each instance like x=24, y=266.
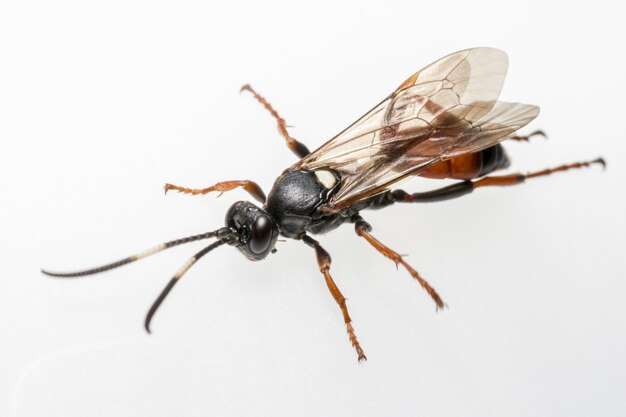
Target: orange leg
x=513, y=179
x=249, y=186
x=296, y=147
x=465, y=187
x=525, y=138
x=363, y=228
x=323, y=260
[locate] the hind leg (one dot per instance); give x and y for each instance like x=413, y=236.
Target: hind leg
x=526, y=138
x=462, y=188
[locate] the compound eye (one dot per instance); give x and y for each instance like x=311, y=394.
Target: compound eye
x=261, y=234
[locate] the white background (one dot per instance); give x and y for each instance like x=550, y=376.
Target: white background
x=102, y=103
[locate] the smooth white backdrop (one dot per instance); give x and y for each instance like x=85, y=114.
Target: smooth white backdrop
x=101, y=103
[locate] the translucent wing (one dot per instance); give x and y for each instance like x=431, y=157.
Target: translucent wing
x=444, y=110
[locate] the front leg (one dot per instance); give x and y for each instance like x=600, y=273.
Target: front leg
x=323, y=260
x=250, y=186
x=362, y=228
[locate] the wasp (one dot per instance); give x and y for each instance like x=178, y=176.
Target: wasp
x=444, y=121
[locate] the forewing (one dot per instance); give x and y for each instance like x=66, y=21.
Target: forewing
x=415, y=155
x=468, y=81
x=446, y=109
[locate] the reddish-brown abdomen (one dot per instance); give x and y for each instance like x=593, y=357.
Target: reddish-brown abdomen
x=469, y=166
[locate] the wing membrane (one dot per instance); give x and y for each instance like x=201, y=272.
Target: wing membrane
x=446, y=109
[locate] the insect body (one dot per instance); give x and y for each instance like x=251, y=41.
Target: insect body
x=443, y=122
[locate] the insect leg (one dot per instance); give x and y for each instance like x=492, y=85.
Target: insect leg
x=296, y=147
x=250, y=186
x=362, y=228
x=323, y=260
x=525, y=138
x=461, y=188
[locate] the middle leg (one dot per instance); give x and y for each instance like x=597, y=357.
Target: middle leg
x=296, y=147
x=362, y=228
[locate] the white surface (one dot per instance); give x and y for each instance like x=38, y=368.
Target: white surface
x=102, y=103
